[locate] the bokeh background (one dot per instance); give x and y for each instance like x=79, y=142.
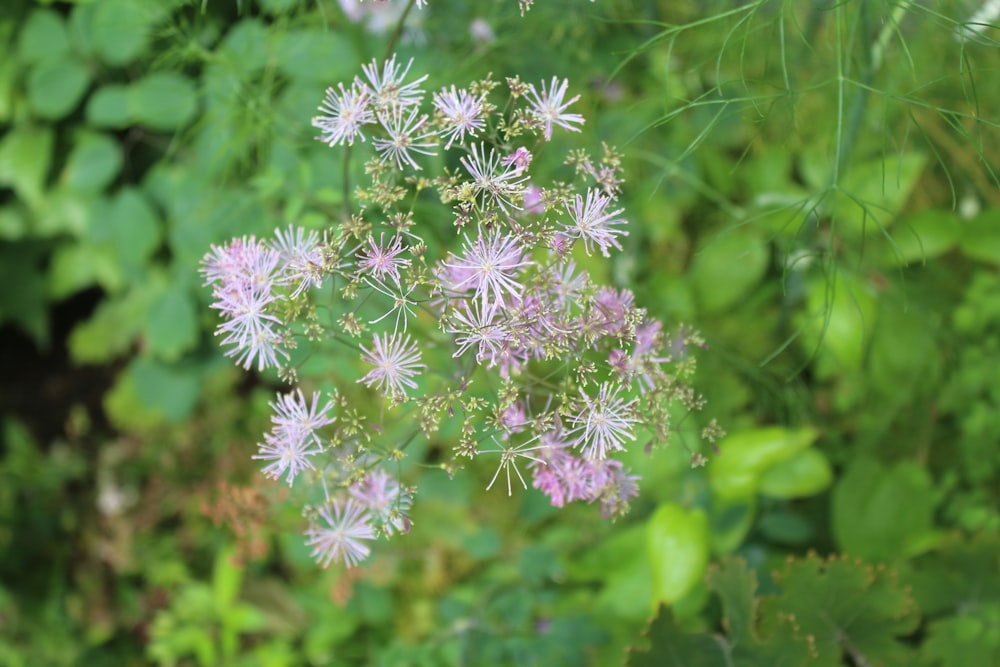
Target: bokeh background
x=811, y=185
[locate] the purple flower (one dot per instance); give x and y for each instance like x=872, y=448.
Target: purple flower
x=343, y=115
x=496, y=185
x=592, y=223
x=603, y=423
x=289, y=452
x=462, y=113
x=302, y=257
x=549, y=108
x=389, y=503
x=474, y=324
x=405, y=135
x=520, y=158
x=387, y=88
x=382, y=259
x=396, y=361
x=342, y=538
x=294, y=416
x=490, y=265
x=508, y=460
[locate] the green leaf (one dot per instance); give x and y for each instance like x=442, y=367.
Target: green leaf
x=727, y=268
x=9, y=74
x=873, y=192
x=110, y=332
x=25, y=155
x=838, y=323
x=121, y=29
x=882, y=512
x=171, y=328
x=924, y=236
x=162, y=101
x=315, y=56
x=43, y=36
x=93, y=163
x=26, y=306
x=849, y=609
x=981, y=237
x=55, y=87
x=76, y=266
x=108, y=107
x=148, y=394
x=747, y=454
x=671, y=646
x=130, y=226
x=677, y=544
x=805, y=474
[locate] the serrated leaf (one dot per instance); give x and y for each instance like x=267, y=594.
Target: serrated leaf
x=108, y=107
x=847, y=609
x=162, y=101
x=670, y=646
x=55, y=87
x=43, y=36
x=93, y=163
x=25, y=155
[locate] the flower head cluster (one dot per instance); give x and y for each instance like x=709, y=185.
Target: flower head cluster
x=488, y=325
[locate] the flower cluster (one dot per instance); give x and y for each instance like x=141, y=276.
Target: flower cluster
x=489, y=325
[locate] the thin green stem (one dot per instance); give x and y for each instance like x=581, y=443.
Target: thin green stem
x=398, y=30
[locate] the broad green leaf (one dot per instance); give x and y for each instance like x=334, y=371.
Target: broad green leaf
x=747, y=454
x=226, y=580
x=731, y=522
x=922, y=237
x=805, y=474
x=111, y=330
x=162, y=101
x=315, y=56
x=55, y=87
x=64, y=212
x=76, y=266
x=130, y=226
x=981, y=237
x=677, y=546
x=883, y=512
x=872, y=194
x=728, y=267
x=93, y=163
x=671, y=646
x=121, y=29
x=108, y=107
x=13, y=223
x=171, y=327
x=9, y=74
x=245, y=47
x=27, y=305
x=849, y=609
x=25, y=155
x=42, y=37
x=838, y=323
x=148, y=394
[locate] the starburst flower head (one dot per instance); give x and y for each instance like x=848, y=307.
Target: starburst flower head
x=381, y=259
x=490, y=265
x=396, y=360
x=548, y=107
x=302, y=258
x=603, y=423
x=341, y=535
x=461, y=113
x=497, y=185
x=509, y=454
x=386, y=86
x=406, y=132
x=594, y=224
x=343, y=115
x=299, y=418
x=288, y=452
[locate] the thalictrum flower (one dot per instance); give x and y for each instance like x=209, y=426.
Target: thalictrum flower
x=302, y=258
x=344, y=115
x=497, y=185
x=381, y=259
x=289, y=452
x=396, y=360
x=603, y=423
x=549, y=108
x=490, y=265
x=593, y=223
x=406, y=134
x=342, y=538
x=387, y=88
x=461, y=112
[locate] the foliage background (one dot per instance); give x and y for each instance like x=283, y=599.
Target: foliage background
x=812, y=185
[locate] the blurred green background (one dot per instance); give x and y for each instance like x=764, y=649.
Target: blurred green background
x=812, y=185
